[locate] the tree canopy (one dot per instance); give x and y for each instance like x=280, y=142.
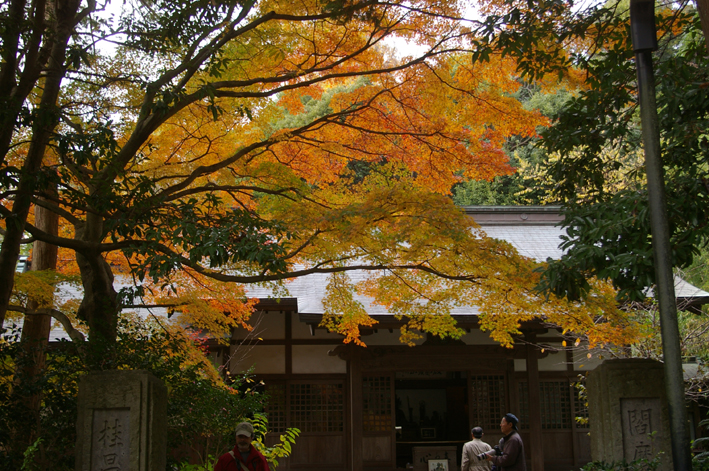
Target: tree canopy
x=592, y=154
x=200, y=147
x=601, y=171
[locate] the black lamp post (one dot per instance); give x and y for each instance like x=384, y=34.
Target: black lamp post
x=642, y=26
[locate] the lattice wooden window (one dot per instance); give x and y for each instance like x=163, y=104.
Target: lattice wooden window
x=376, y=392
x=276, y=407
x=317, y=407
x=488, y=400
x=523, y=395
x=555, y=404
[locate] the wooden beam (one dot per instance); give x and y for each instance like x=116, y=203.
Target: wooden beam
x=277, y=304
x=356, y=408
x=575, y=448
x=535, y=413
x=289, y=343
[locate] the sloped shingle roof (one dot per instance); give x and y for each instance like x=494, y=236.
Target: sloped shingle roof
x=533, y=231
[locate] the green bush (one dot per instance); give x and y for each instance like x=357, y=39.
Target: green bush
x=271, y=453
x=202, y=409
x=637, y=465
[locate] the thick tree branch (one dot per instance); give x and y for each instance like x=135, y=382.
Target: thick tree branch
x=74, y=334
x=320, y=268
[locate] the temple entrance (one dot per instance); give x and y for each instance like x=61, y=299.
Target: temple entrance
x=431, y=413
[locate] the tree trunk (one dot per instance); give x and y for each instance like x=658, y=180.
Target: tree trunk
x=65, y=12
x=703, y=8
x=35, y=333
x=99, y=308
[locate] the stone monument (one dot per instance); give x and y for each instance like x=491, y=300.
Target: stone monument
x=122, y=422
x=628, y=413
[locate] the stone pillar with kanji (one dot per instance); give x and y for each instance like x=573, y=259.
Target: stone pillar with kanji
x=628, y=412
x=122, y=422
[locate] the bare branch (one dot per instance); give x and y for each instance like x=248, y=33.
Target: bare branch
x=74, y=334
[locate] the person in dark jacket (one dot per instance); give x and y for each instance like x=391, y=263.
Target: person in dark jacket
x=512, y=458
x=244, y=457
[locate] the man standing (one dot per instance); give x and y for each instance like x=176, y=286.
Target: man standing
x=512, y=458
x=472, y=449
x=244, y=457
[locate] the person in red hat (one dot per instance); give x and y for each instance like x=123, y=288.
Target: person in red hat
x=244, y=457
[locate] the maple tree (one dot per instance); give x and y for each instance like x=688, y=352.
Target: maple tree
x=528, y=185
x=227, y=144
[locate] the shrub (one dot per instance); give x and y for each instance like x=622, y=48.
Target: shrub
x=637, y=465
x=202, y=409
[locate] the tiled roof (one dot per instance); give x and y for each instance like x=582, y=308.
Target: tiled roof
x=533, y=231
x=537, y=242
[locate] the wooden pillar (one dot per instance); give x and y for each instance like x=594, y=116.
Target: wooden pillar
x=356, y=408
x=289, y=343
x=535, y=413
x=572, y=392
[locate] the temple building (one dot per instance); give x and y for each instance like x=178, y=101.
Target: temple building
x=388, y=406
